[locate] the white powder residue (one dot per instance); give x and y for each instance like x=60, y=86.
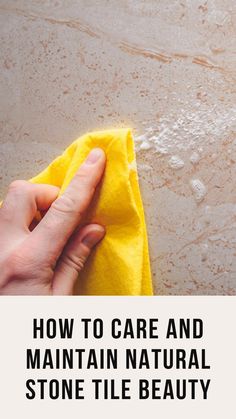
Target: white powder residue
x=141, y=138
x=145, y=145
x=194, y=158
x=176, y=163
x=199, y=189
x=189, y=131
x=144, y=167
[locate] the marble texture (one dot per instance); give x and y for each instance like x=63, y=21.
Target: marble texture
x=165, y=68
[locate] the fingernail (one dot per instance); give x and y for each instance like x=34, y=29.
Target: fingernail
x=92, y=238
x=94, y=156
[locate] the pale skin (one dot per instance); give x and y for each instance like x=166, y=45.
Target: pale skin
x=47, y=259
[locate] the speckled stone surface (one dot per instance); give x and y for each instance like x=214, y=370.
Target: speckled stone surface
x=165, y=68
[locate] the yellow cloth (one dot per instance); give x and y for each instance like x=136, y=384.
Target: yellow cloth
x=120, y=263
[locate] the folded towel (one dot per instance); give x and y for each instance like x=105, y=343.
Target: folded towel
x=120, y=263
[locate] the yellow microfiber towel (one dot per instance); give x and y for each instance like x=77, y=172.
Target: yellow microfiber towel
x=120, y=263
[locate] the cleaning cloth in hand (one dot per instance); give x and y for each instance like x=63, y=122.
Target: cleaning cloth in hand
x=120, y=263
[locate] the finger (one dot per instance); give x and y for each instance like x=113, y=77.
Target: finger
x=74, y=257
x=23, y=200
x=66, y=212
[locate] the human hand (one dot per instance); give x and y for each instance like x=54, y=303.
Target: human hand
x=47, y=260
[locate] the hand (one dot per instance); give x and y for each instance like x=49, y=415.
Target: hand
x=46, y=260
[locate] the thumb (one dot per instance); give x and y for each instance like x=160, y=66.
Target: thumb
x=74, y=256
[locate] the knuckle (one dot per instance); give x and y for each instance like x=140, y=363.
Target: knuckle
x=6, y=212
x=17, y=190
x=66, y=205
x=9, y=205
x=74, y=261
x=83, y=179
x=18, y=185
x=82, y=174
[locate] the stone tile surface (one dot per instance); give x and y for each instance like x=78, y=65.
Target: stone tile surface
x=165, y=68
